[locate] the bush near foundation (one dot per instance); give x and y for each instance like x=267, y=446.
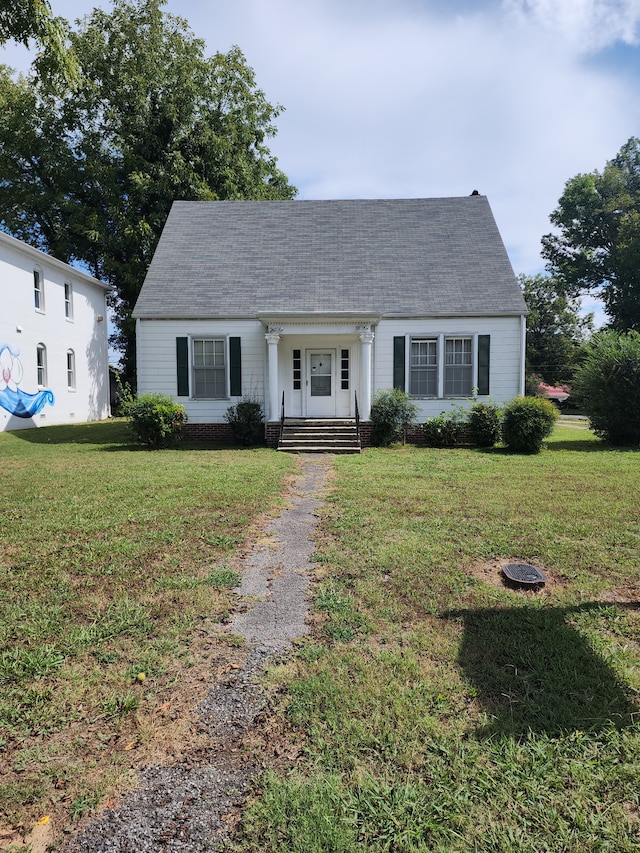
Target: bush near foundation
x=155, y=420
x=247, y=422
x=484, y=424
x=526, y=422
x=392, y=413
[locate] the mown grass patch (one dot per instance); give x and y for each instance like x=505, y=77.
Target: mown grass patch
x=468, y=715
x=113, y=562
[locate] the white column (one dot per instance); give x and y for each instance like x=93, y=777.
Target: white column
x=366, y=351
x=273, y=339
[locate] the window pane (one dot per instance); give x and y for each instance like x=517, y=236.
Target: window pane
x=209, y=373
x=71, y=369
x=423, y=368
x=458, y=367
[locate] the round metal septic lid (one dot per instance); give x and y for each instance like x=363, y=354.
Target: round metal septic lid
x=523, y=573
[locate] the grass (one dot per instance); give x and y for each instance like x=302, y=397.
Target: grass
x=439, y=710
x=113, y=562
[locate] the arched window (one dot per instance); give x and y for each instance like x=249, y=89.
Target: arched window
x=41, y=361
x=71, y=370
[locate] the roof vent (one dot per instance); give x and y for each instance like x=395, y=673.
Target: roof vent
x=475, y=192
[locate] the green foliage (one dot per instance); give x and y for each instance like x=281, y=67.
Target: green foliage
x=33, y=20
x=247, y=422
x=608, y=382
x=90, y=170
x=596, y=247
x=392, y=413
x=484, y=424
x=526, y=422
x=444, y=430
x=555, y=328
x=155, y=419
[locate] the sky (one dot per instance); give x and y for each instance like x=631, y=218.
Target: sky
x=434, y=98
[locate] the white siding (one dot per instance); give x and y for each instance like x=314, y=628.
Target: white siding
x=157, y=368
x=23, y=328
x=506, y=369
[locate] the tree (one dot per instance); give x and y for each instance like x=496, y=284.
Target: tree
x=597, y=247
x=29, y=20
x=89, y=172
x=608, y=381
x=555, y=329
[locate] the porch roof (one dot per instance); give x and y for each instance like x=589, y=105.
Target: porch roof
x=402, y=257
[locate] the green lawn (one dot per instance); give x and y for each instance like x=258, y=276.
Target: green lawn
x=114, y=561
x=433, y=709
x=437, y=710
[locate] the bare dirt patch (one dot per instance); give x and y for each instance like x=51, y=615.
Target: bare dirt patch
x=490, y=572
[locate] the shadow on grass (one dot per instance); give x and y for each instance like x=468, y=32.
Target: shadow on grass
x=534, y=673
x=110, y=436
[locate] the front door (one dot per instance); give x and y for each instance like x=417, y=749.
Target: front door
x=320, y=384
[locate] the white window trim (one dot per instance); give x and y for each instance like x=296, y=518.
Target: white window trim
x=192, y=377
x=441, y=337
x=416, y=339
x=41, y=365
x=71, y=371
x=40, y=308
x=68, y=303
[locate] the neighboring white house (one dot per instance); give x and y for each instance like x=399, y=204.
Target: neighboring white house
x=322, y=303
x=53, y=340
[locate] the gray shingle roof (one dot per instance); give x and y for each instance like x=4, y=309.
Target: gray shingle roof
x=388, y=257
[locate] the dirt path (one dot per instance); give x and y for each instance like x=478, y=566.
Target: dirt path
x=191, y=805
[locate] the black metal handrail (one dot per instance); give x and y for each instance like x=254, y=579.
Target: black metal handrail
x=355, y=394
x=282, y=416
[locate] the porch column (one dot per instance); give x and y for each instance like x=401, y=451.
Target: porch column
x=366, y=349
x=273, y=339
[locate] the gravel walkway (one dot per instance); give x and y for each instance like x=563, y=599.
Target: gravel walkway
x=189, y=806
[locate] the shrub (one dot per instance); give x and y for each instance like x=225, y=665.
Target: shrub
x=484, y=424
x=526, y=422
x=608, y=384
x=444, y=430
x=392, y=412
x=247, y=422
x=155, y=419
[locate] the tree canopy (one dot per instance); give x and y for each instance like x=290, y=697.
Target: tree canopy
x=597, y=246
x=33, y=20
x=89, y=170
x=555, y=329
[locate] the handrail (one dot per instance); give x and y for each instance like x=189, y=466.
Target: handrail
x=355, y=394
x=282, y=416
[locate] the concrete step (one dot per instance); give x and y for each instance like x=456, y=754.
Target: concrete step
x=312, y=435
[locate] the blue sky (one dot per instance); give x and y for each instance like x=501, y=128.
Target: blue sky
x=418, y=98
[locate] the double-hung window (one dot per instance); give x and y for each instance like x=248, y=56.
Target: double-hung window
x=209, y=368
x=423, y=369
x=38, y=290
x=71, y=370
x=41, y=365
x=68, y=301
x=458, y=367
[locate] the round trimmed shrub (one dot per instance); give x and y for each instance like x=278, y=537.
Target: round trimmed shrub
x=526, y=422
x=155, y=420
x=392, y=413
x=443, y=430
x=608, y=382
x=484, y=424
x=247, y=422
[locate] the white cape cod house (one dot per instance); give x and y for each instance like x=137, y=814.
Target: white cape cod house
x=310, y=307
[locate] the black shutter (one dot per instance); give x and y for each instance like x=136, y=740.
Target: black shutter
x=235, y=368
x=182, y=366
x=484, y=346
x=398, y=362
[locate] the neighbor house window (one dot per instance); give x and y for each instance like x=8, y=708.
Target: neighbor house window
x=68, y=301
x=423, y=370
x=38, y=290
x=41, y=363
x=209, y=369
x=71, y=370
x=458, y=367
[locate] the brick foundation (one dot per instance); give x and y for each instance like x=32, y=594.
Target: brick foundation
x=208, y=432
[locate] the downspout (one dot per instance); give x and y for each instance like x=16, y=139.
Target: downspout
x=523, y=351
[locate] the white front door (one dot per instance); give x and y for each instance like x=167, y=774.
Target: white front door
x=320, y=383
